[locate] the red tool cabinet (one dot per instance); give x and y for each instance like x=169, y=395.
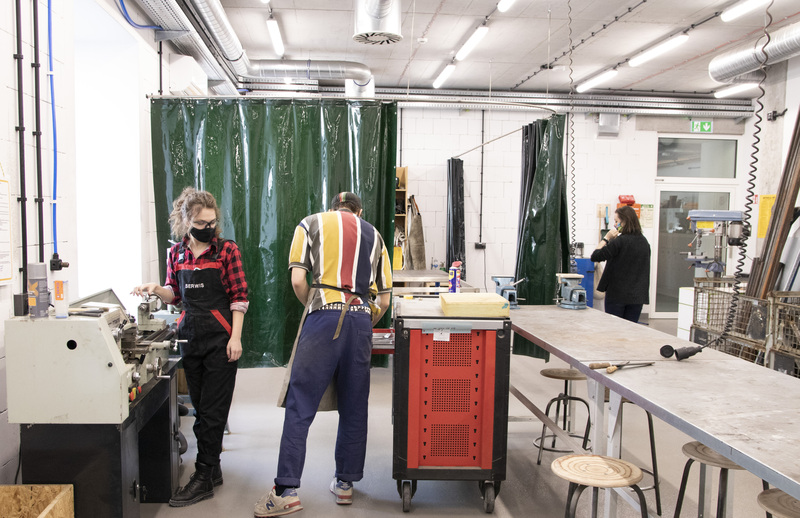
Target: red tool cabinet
x=450, y=399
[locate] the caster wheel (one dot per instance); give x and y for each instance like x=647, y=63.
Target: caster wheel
x=406, y=496
x=488, y=498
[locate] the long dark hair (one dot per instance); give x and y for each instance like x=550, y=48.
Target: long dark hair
x=629, y=220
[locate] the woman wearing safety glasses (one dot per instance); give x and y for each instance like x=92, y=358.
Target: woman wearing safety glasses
x=205, y=273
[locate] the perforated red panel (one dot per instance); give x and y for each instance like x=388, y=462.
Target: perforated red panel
x=449, y=440
x=451, y=400
x=455, y=353
x=450, y=395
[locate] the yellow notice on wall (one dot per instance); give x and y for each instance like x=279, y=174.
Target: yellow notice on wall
x=765, y=204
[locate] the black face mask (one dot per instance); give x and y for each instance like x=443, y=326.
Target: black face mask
x=204, y=235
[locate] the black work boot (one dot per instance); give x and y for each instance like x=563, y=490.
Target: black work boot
x=199, y=487
x=216, y=475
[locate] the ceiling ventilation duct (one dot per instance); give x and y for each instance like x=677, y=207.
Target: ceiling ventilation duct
x=219, y=28
x=784, y=44
x=377, y=22
x=187, y=41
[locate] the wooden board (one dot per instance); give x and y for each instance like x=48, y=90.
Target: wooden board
x=37, y=501
x=474, y=305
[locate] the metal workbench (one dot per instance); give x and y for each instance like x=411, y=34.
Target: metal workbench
x=746, y=412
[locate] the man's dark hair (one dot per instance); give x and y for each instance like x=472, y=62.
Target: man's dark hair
x=346, y=200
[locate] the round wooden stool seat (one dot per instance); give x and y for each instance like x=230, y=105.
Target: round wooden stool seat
x=596, y=471
x=703, y=454
x=563, y=374
x=779, y=504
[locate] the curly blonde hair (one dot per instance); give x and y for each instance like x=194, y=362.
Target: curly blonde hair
x=187, y=206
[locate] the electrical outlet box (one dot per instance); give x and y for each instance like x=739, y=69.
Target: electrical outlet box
x=480, y=246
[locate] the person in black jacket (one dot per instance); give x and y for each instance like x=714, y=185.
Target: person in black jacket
x=626, y=278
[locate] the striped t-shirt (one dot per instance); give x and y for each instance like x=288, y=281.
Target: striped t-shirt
x=341, y=250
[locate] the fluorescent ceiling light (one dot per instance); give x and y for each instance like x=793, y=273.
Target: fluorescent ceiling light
x=275, y=36
x=741, y=9
x=656, y=50
x=596, y=80
x=444, y=75
x=504, y=5
x=473, y=40
x=264, y=1
x=735, y=89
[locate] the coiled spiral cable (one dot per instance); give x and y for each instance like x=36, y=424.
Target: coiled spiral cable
x=751, y=182
x=571, y=145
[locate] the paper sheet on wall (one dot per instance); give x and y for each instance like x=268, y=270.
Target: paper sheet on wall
x=646, y=215
x=765, y=204
x=6, y=272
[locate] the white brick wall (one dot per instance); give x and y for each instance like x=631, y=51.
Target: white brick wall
x=65, y=74
x=605, y=167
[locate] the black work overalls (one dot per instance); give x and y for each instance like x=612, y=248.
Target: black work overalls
x=206, y=324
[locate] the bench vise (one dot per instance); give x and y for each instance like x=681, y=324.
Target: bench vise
x=506, y=287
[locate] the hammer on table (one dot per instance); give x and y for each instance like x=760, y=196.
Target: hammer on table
x=611, y=368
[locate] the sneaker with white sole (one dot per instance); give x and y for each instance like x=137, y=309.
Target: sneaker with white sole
x=343, y=491
x=273, y=505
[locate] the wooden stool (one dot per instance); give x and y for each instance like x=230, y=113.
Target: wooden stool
x=779, y=504
x=564, y=398
x=701, y=453
x=596, y=471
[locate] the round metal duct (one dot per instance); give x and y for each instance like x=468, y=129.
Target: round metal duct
x=377, y=22
x=784, y=44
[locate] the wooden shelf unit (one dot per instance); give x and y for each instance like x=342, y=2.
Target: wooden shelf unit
x=400, y=200
x=401, y=197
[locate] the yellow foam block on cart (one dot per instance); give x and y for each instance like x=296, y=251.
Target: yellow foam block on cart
x=37, y=501
x=474, y=305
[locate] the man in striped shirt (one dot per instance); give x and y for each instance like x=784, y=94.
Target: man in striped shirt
x=346, y=256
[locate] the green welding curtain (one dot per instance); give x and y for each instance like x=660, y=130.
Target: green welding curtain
x=270, y=163
x=543, y=240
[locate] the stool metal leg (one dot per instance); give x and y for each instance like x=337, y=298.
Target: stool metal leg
x=656, y=482
x=573, y=496
x=544, y=428
x=558, y=400
x=567, y=393
x=723, y=492
x=682, y=490
x=765, y=486
x=642, y=501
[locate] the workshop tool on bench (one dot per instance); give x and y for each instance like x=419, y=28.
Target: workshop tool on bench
x=571, y=294
x=507, y=287
x=613, y=367
x=681, y=353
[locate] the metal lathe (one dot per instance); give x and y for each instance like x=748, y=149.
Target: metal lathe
x=96, y=397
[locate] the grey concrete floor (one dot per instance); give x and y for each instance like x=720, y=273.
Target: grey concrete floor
x=251, y=452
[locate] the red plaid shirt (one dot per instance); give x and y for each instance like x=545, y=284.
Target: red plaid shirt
x=232, y=274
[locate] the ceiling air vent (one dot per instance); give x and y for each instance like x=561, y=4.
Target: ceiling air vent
x=377, y=22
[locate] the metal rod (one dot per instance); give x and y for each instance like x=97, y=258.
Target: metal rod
x=780, y=222
x=21, y=130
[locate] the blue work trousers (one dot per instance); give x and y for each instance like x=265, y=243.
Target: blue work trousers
x=317, y=360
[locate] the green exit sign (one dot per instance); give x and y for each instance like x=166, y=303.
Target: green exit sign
x=702, y=127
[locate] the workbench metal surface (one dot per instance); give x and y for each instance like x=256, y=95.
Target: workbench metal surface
x=399, y=276
x=748, y=413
